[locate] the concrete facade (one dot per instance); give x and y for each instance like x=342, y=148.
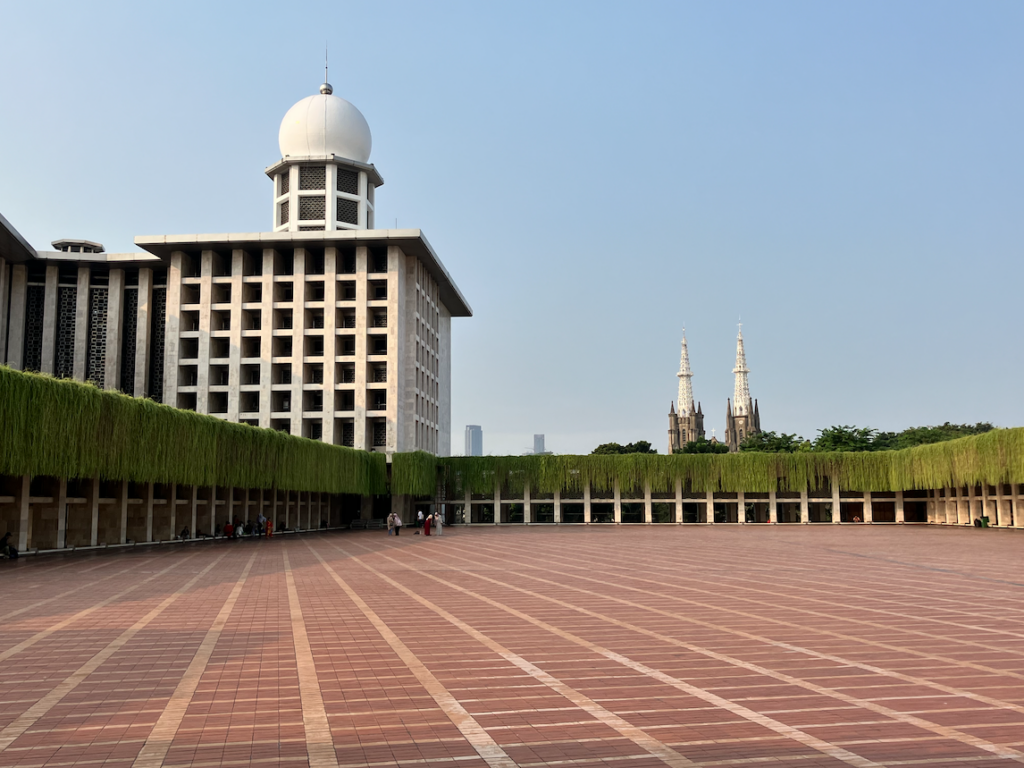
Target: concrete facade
x=323, y=327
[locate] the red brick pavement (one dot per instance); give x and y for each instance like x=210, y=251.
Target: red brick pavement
x=634, y=646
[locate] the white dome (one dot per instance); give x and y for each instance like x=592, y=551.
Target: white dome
x=325, y=125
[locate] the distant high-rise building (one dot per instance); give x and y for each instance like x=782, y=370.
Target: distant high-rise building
x=474, y=440
x=538, y=443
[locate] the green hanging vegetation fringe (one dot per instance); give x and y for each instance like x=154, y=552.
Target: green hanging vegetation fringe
x=414, y=473
x=69, y=429
x=991, y=458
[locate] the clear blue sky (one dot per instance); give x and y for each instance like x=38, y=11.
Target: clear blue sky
x=847, y=177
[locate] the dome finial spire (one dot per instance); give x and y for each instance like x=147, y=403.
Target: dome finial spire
x=326, y=89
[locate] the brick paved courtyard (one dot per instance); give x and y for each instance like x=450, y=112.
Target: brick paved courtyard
x=629, y=647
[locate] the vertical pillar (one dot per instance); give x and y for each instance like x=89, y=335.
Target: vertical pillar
x=235, y=347
x=115, y=327
x=679, y=501
x=49, y=351
x=805, y=513
x=741, y=508
x=330, y=340
x=4, y=282
x=868, y=508
x=298, y=339
x=172, y=499
x=81, y=360
x=467, y=516
x=267, y=338
x=94, y=511
x=142, y=336
x=837, y=501
x=558, y=507
x=122, y=508
x=1018, y=518
x=205, y=328
x=194, y=510
x=149, y=511
x=527, y=511
x=648, y=514
x=24, y=513
x=709, y=502
x=16, y=324
x=274, y=506
x=900, y=516
x=497, y=502
x=617, y=497
x=172, y=331
x=62, y=513
x=773, y=507
x=586, y=503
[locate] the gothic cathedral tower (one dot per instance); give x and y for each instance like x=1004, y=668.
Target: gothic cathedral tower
x=688, y=424
x=741, y=416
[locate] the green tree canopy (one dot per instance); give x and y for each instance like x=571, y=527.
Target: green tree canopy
x=640, y=446
x=770, y=442
x=844, y=438
x=702, y=445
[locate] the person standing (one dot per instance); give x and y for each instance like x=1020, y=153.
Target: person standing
x=438, y=522
x=419, y=516
x=426, y=524
x=398, y=523
x=391, y=524
x=261, y=523
x=270, y=527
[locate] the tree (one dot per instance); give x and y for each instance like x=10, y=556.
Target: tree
x=770, y=442
x=924, y=435
x=844, y=438
x=640, y=446
x=701, y=445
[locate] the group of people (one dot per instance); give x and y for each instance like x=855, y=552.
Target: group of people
x=234, y=529
x=433, y=521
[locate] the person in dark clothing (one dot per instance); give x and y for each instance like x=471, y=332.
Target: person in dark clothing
x=7, y=549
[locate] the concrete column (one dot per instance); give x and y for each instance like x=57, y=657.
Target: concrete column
x=193, y=510
x=142, y=335
x=805, y=512
x=527, y=517
x=115, y=329
x=235, y=347
x=298, y=336
x=94, y=511
x=49, y=356
x=837, y=501
x=900, y=518
x=617, y=497
x=868, y=509
x=363, y=440
x=16, y=324
x=558, y=507
x=149, y=511
x=741, y=508
x=586, y=503
x=122, y=504
x=172, y=499
x=205, y=327
x=62, y=513
x=710, y=503
x=330, y=340
x=4, y=283
x=1018, y=518
x=648, y=514
x=266, y=337
x=274, y=508
x=497, y=503
x=21, y=498
x=679, y=501
x=773, y=507
x=81, y=361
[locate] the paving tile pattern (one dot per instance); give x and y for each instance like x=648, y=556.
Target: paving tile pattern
x=632, y=647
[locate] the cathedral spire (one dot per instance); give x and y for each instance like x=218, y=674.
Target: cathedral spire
x=741, y=391
x=685, y=402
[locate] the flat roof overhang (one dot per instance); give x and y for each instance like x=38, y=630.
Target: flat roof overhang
x=13, y=247
x=411, y=241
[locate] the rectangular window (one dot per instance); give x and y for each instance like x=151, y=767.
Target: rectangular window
x=348, y=211
x=284, y=212
x=348, y=181
x=312, y=177
x=311, y=208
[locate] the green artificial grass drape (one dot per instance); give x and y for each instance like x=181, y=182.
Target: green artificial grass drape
x=991, y=458
x=69, y=429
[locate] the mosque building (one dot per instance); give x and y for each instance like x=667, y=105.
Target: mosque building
x=686, y=418
x=323, y=327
